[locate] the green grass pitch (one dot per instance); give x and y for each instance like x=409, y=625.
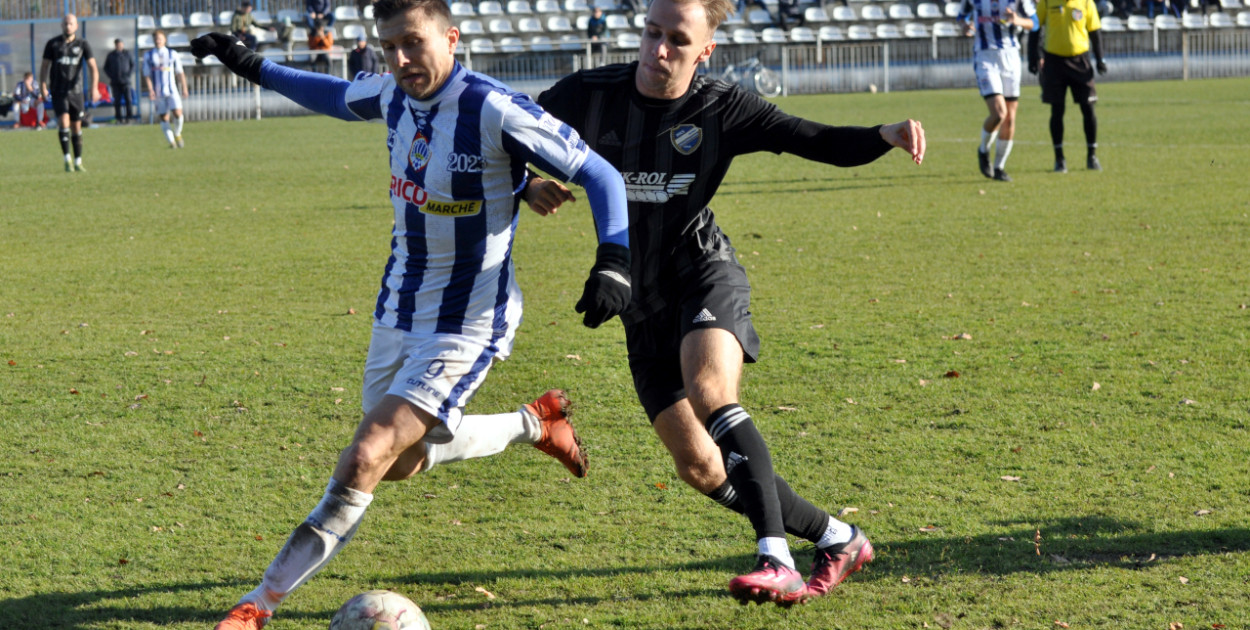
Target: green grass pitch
x=182, y=334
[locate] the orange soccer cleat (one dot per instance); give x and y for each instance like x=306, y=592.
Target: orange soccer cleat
x=245, y=616
x=559, y=440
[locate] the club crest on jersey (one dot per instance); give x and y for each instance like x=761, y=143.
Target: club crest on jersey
x=1076, y=15
x=419, y=154
x=686, y=138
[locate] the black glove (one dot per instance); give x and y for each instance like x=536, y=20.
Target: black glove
x=1101, y=66
x=607, y=289
x=1032, y=66
x=232, y=53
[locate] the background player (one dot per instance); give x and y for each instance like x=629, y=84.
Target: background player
x=449, y=305
x=1072, y=28
x=28, y=97
x=60, y=77
x=160, y=67
x=673, y=133
x=996, y=60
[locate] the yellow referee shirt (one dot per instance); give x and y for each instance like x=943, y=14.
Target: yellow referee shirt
x=1068, y=24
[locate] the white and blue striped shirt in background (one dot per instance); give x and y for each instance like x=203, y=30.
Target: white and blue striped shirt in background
x=988, y=15
x=162, y=65
x=458, y=160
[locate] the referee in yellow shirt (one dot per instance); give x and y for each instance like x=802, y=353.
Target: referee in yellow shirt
x=1071, y=28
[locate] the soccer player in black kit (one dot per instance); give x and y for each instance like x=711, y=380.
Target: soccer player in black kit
x=61, y=76
x=672, y=135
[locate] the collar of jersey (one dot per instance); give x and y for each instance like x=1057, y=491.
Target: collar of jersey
x=451, y=78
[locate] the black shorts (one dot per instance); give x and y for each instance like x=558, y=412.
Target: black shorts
x=71, y=104
x=1060, y=73
x=716, y=295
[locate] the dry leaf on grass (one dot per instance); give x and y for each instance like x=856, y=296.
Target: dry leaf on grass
x=1183, y=579
x=929, y=528
x=1202, y=512
x=1096, y=386
x=847, y=510
x=1009, y=478
x=488, y=594
x=1062, y=624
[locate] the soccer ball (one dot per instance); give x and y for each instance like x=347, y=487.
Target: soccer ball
x=379, y=610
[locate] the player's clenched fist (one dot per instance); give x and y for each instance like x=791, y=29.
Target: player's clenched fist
x=232, y=53
x=608, y=288
x=908, y=136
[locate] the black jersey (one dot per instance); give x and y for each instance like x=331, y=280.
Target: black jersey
x=65, y=75
x=674, y=154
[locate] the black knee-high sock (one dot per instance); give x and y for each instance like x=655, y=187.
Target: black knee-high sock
x=76, y=140
x=1056, y=128
x=1091, y=126
x=749, y=467
x=63, y=136
x=801, y=518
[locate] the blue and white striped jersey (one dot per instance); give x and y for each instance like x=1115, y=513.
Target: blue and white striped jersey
x=162, y=65
x=458, y=160
x=987, y=16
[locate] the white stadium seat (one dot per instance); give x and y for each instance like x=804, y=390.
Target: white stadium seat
x=559, y=24
x=815, y=15
x=200, y=19
x=1243, y=19
x=571, y=42
x=576, y=6
x=519, y=7
x=617, y=22
x=915, y=29
x=1221, y=20
x=888, y=31
x=178, y=40
x=859, y=32
x=759, y=17
x=721, y=38
x=928, y=11
x=773, y=35
x=462, y=9
x=299, y=35
x=145, y=41
x=541, y=43
x=172, y=20
x=529, y=25
x=951, y=9
x=872, y=13
x=489, y=7
x=547, y=6
x=901, y=11
x=626, y=41
x=297, y=17
x=831, y=34
x=802, y=35
x=352, y=31
x=744, y=36
x=367, y=14
x=262, y=18
x=511, y=45
x=844, y=14
x=1230, y=4
x=223, y=18
x=580, y=22
x=946, y=29
x=1112, y=24
x=145, y=22
x=1194, y=21
x=500, y=26
x=640, y=21
x=481, y=45
x=346, y=13
x=1139, y=23
x=1166, y=22
x=472, y=27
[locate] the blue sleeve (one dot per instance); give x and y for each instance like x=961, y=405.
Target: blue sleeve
x=1036, y=24
x=321, y=93
x=606, y=191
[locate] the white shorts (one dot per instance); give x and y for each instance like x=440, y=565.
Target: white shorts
x=166, y=104
x=998, y=71
x=438, y=373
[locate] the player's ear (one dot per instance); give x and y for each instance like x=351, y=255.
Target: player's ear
x=453, y=37
x=707, y=51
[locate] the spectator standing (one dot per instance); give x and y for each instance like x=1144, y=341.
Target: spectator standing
x=318, y=11
x=27, y=97
x=361, y=59
x=597, y=29
x=161, y=67
x=119, y=66
x=322, y=40
x=1072, y=30
x=286, y=37
x=60, y=77
x=996, y=61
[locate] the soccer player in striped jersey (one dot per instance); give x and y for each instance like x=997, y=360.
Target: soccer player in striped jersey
x=673, y=134
x=996, y=60
x=161, y=67
x=459, y=143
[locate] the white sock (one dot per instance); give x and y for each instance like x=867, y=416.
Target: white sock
x=483, y=436
x=178, y=126
x=69, y=159
x=837, y=532
x=78, y=160
x=312, y=545
x=986, y=138
x=1002, y=149
x=169, y=134
x=777, y=548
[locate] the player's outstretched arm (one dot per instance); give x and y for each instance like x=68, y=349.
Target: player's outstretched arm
x=608, y=289
x=321, y=93
x=908, y=136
